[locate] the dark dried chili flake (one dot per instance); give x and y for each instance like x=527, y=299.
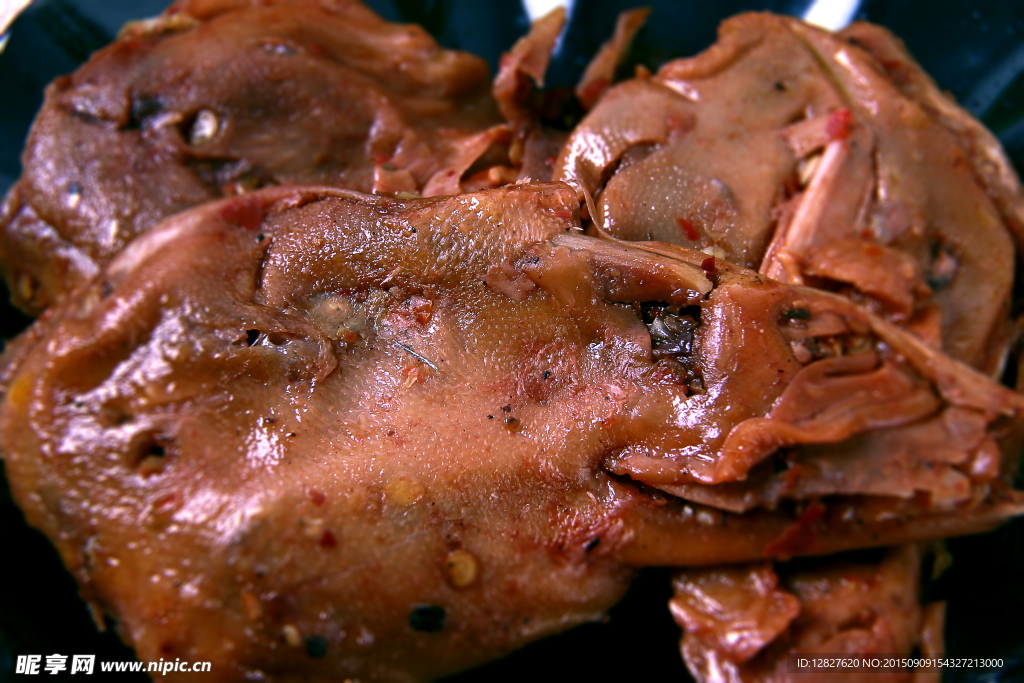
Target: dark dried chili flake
x=490, y=417
x=798, y=313
x=509, y=420
x=506, y=409
x=780, y=86
x=427, y=618
x=259, y=237
x=328, y=540
x=708, y=266
x=547, y=374
x=316, y=646
x=593, y=543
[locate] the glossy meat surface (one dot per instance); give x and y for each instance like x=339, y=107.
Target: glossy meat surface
x=407, y=435
x=816, y=158
x=215, y=99
x=740, y=624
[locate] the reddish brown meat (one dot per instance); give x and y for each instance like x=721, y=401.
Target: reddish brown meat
x=741, y=627
x=219, y=98
x=394, y=427
x=795, y=151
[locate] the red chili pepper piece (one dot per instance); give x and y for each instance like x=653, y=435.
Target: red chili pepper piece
x=838, y=126
x=687, y=226
x=799, y=536
x=708, y=266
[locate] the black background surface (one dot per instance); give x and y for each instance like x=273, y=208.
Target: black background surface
x=975, y=50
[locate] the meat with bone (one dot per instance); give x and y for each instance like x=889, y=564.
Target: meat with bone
x=818, y=158
x=217, y=98
x=393, y=433
x=741, y=625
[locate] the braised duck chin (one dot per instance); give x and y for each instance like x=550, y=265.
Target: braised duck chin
x=748, y=310
x=427, y=431
x=216, y=99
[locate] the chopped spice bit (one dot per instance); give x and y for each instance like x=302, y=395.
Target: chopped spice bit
x=251, y=605
x=838, y=126
x=318, y=497
x=292, y=635
x=798, y=313
x=506, y=409
x=328, y=540
x=593, y=543
x=716, y=251
x=709, y=267
x=687, y=226
x=798, y=537
x=427, y=618
x=401, y=491
x=316, y=646
x=204, y=128
x=462, y=568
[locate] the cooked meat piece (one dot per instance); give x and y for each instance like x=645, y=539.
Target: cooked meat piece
x=733, y=611
x=741, y=627
x=817, y=158
x=308, y=422
x=219, y=98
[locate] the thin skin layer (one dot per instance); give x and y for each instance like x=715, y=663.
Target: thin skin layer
x=309, y=434
x=216, y=99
